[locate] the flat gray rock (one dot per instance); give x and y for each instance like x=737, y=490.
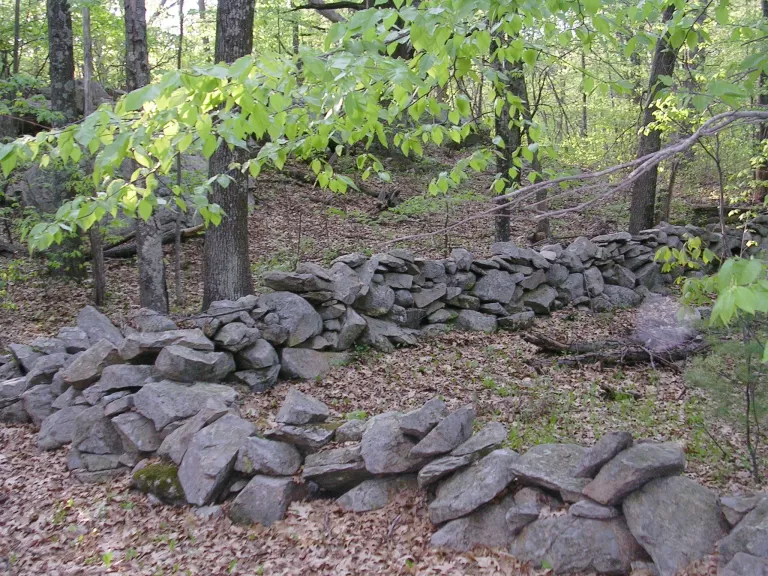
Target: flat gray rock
x=336, y=470
x=98, y=327
x=146, y=320
x=75, y=339
x=737, y=506
x=589, y=509
x=166, y=402
x=265, y=500
x=375, y=493
x=351, y=431
x=385, y=449
x=489, y=437
x=309, y=438
x=495, y=286
x=296, y=315
x=474, y=321
x=602, y=452
x=258, y=381
x=145, y=346
x=256, y=356
x=551, y=466
x=633, y=468
x=743, y=564
x=572, y=544
x=469, y=489
x=58, y=428
x=418, y=423
x=442, y=467
x=37, y=403
x=94, y=433
x=484, y=527
x=261, y=456
x=87, y=367
x=187, y=365
x=453, y=430
x=299, y=408
x=138, y=432
x=749, y=536
x=306, y=364
x=210, y=458
x=175, y=444
x=541, y=299
x=44, y=369
x=676, y=520
x=235, y=336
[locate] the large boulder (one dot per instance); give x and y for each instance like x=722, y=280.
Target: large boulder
x=469, y=489
x=347, y=285
x=486, y=526
x=622, y=297
x=75, y=339
x=175, y=444
x=377, y=301
x=633, y=468
x=299, y=408
x=336, y=470
x=186, y=365
x=453, y=430
x=86, y=368
x=261, y=456
x=24, y=356
x=145, y=346
x=385, y=449
x=541, y=299
x=749, y=536
x=37, y=403
x=374, y=493
x=43, y=370
x=296, y=315
x=210, y=458
x=593, y=281
x=676, y=520
x=256, y=356
x=137, y=431
x=165, y=402
x=496, y=286
x=94, y=433
x=265, y=500
x=552, y=466
x=98, y=327
x=58, y=428
x=573, y=544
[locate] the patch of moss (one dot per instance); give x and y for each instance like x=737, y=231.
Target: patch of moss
x=161, y=480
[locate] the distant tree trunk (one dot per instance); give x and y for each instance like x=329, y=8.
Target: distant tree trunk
x=761, y=171
x=153, y=290
x=98, y=273
x=583, y=96
x=16, y=36
x=227, y=271
x=642, y=208
x=61, y=61
x=177, y=255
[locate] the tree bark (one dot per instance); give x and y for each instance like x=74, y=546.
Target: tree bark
x=583, y=95
x=761, y=170
x=16, y=36
x=177, y=254
x=227, y=271
x=644, y=190
x=61, y=61
x=153, y=290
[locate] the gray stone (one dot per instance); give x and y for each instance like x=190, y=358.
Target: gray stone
x=336, y=470
x=166, y=402
x=58, y=428
x=210, y=458
x=265, y=500
x=258, y=381
x=295, y=282
x=138, y=432
x=557, y=275
x=622, y=297
x=430, y=270
x=442, y=316
x=743, y=564
x=123, y=377
x=118, y=406
x=386, y=449
x=306, y=438
x=235, y=336
x=351, y=431
x=463, y=258
x=347, y=285
x=87, y=367
x=98, y=327
x=146, y=320
x=620, y=276
x=66, y=398
x=633, y=468
x=465, y=302
x=48, y=346
x=484, y=527
x=186, y=365
x=260, y=456
x=469, y=489
x=541, y=299
x=529, y=503
x=572, y=544
x=377, y=301
x=593, y=281
x=145, y=346
x=429, y=295
x=98, y=477
x=351, y=329
x=536, y=279
x=583, y=248
x=588, y=509
x=749, y=536
x=517, y=321
x=295, y=314
x=299, y=408
x=353, y=260
x=256, y=356
x=551, y=466
x=489, y=437
x=398, y=281
x=306, y=364
x=601, y=452
x=175, y=444
x=676, y=520
x=495, y=286
x=75, y=339
x=94, y=433
x=403, y=298
x=418, y=423
x=736, y=507
x=476, y=322
x=574, y=286
x=37, y=403
x=374, y=493
x=493, y=308
x=616, y=237
x=442, y=467
x=452, y=431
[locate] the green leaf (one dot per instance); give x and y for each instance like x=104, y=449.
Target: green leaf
x=145, y=209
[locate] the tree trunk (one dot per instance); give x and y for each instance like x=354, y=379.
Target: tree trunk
x=644, y=190
x=227, y=271
x=177, y=254
x=761, y=170
x=153, y=291
x=16, y=36
x=61, y=61
x=583, y=95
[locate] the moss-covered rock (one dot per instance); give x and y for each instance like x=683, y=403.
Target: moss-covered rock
x=161, y=480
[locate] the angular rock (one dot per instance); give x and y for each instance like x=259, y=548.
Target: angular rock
x=210, y=458
x=265, y=500
x=484, y=527
x=462, y=257
x=98, y=327
x=602, y=452
x=496, y=286
x=44, y=369
x=37, y=403
x=351, y=329
x=541, y=299
x=442, y=467
x=295, y=314
x=418, y=423
x=260, y=456
x=118, y=406
x=633, y=468
x=258, y=380
x=138, y=432
x=121, y=377
x=94, y=433
x=86, y=368
x=551, y=466
x=557, y=275
x=24, y=356
x=58, y=428
x=66, y=398
x=385, y=449
x=588, y=509
x=351, y=431
x=398, y=281
x=736, y=507
x=529, y=502
x=623, y=297
x=676, y=520
x=489, y=437
x=377, y=301
x=160, y=480
x=476, y=321
x=452, y=431
x=186, y=365
x=175, y=444
x=374, y=494
x=75, y=339
x=166, y=402
x=742, y=564
x=574, y=286
x=294, y=282
x=143, y=347
x=306, y=364
x=427, y=296
x=235, y=336
x=466, y=491
x=749, y=536
x=146, y=320
x=299, y=408
x=593, y=282
x=347, y=285
x=517, y=321
x=306, y=438
x=572, y=544
x=256, y=356
x=336, y=470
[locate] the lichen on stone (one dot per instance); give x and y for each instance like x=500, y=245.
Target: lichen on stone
x=161, y=480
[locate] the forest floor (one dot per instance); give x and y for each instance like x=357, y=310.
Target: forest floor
x=50, y=524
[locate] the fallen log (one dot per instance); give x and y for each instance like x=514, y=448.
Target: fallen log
x=128, y=249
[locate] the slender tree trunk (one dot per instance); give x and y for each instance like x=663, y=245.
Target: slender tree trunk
x=61, y=61
x=227, y=272
x=644, y=190
x=761, y=171
x=177, y=254
x=153, y=291
x=583, y=96
x=16, y=36
x=98, y=273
